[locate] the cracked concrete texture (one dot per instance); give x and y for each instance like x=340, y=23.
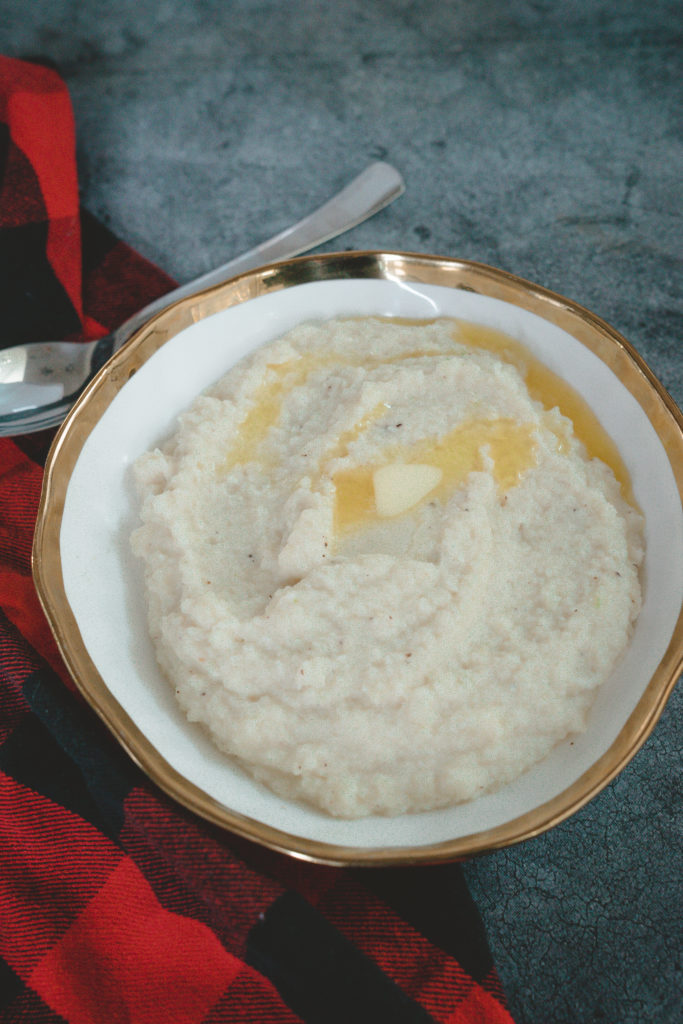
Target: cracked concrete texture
x=584, y=921
x=541, y=137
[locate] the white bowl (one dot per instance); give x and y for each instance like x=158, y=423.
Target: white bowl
x=91, y=587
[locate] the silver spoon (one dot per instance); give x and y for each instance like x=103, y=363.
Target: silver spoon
x=40, y=381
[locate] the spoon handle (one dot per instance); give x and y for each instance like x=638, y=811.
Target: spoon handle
x=43, y=379
x=373, y=189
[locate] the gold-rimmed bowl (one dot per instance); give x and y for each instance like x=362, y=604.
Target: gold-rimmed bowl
x=91, y=587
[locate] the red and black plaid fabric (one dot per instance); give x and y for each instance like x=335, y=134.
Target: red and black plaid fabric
x=116, y=905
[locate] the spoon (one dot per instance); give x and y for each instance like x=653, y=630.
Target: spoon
x=40, y=381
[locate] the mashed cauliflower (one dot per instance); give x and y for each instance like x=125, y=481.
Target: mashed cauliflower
x=380, y=574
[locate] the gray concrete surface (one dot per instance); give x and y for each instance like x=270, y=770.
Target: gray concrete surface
x=544, y=138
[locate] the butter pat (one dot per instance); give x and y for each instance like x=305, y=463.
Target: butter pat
x=400, y=485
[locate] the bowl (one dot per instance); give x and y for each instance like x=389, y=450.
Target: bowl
x=92, y=590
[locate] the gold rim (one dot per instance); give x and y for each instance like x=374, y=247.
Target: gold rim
x=587, y=328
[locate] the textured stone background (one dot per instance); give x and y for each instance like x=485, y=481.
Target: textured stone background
x=541, y=137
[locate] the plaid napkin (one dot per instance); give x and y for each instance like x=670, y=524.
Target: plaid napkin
x=116, y=905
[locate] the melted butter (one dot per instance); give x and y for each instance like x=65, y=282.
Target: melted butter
x=282, y=378
x=510, y=446
x=552, y=392
x=265, y=412
x=354, y=500
x=458, y=453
